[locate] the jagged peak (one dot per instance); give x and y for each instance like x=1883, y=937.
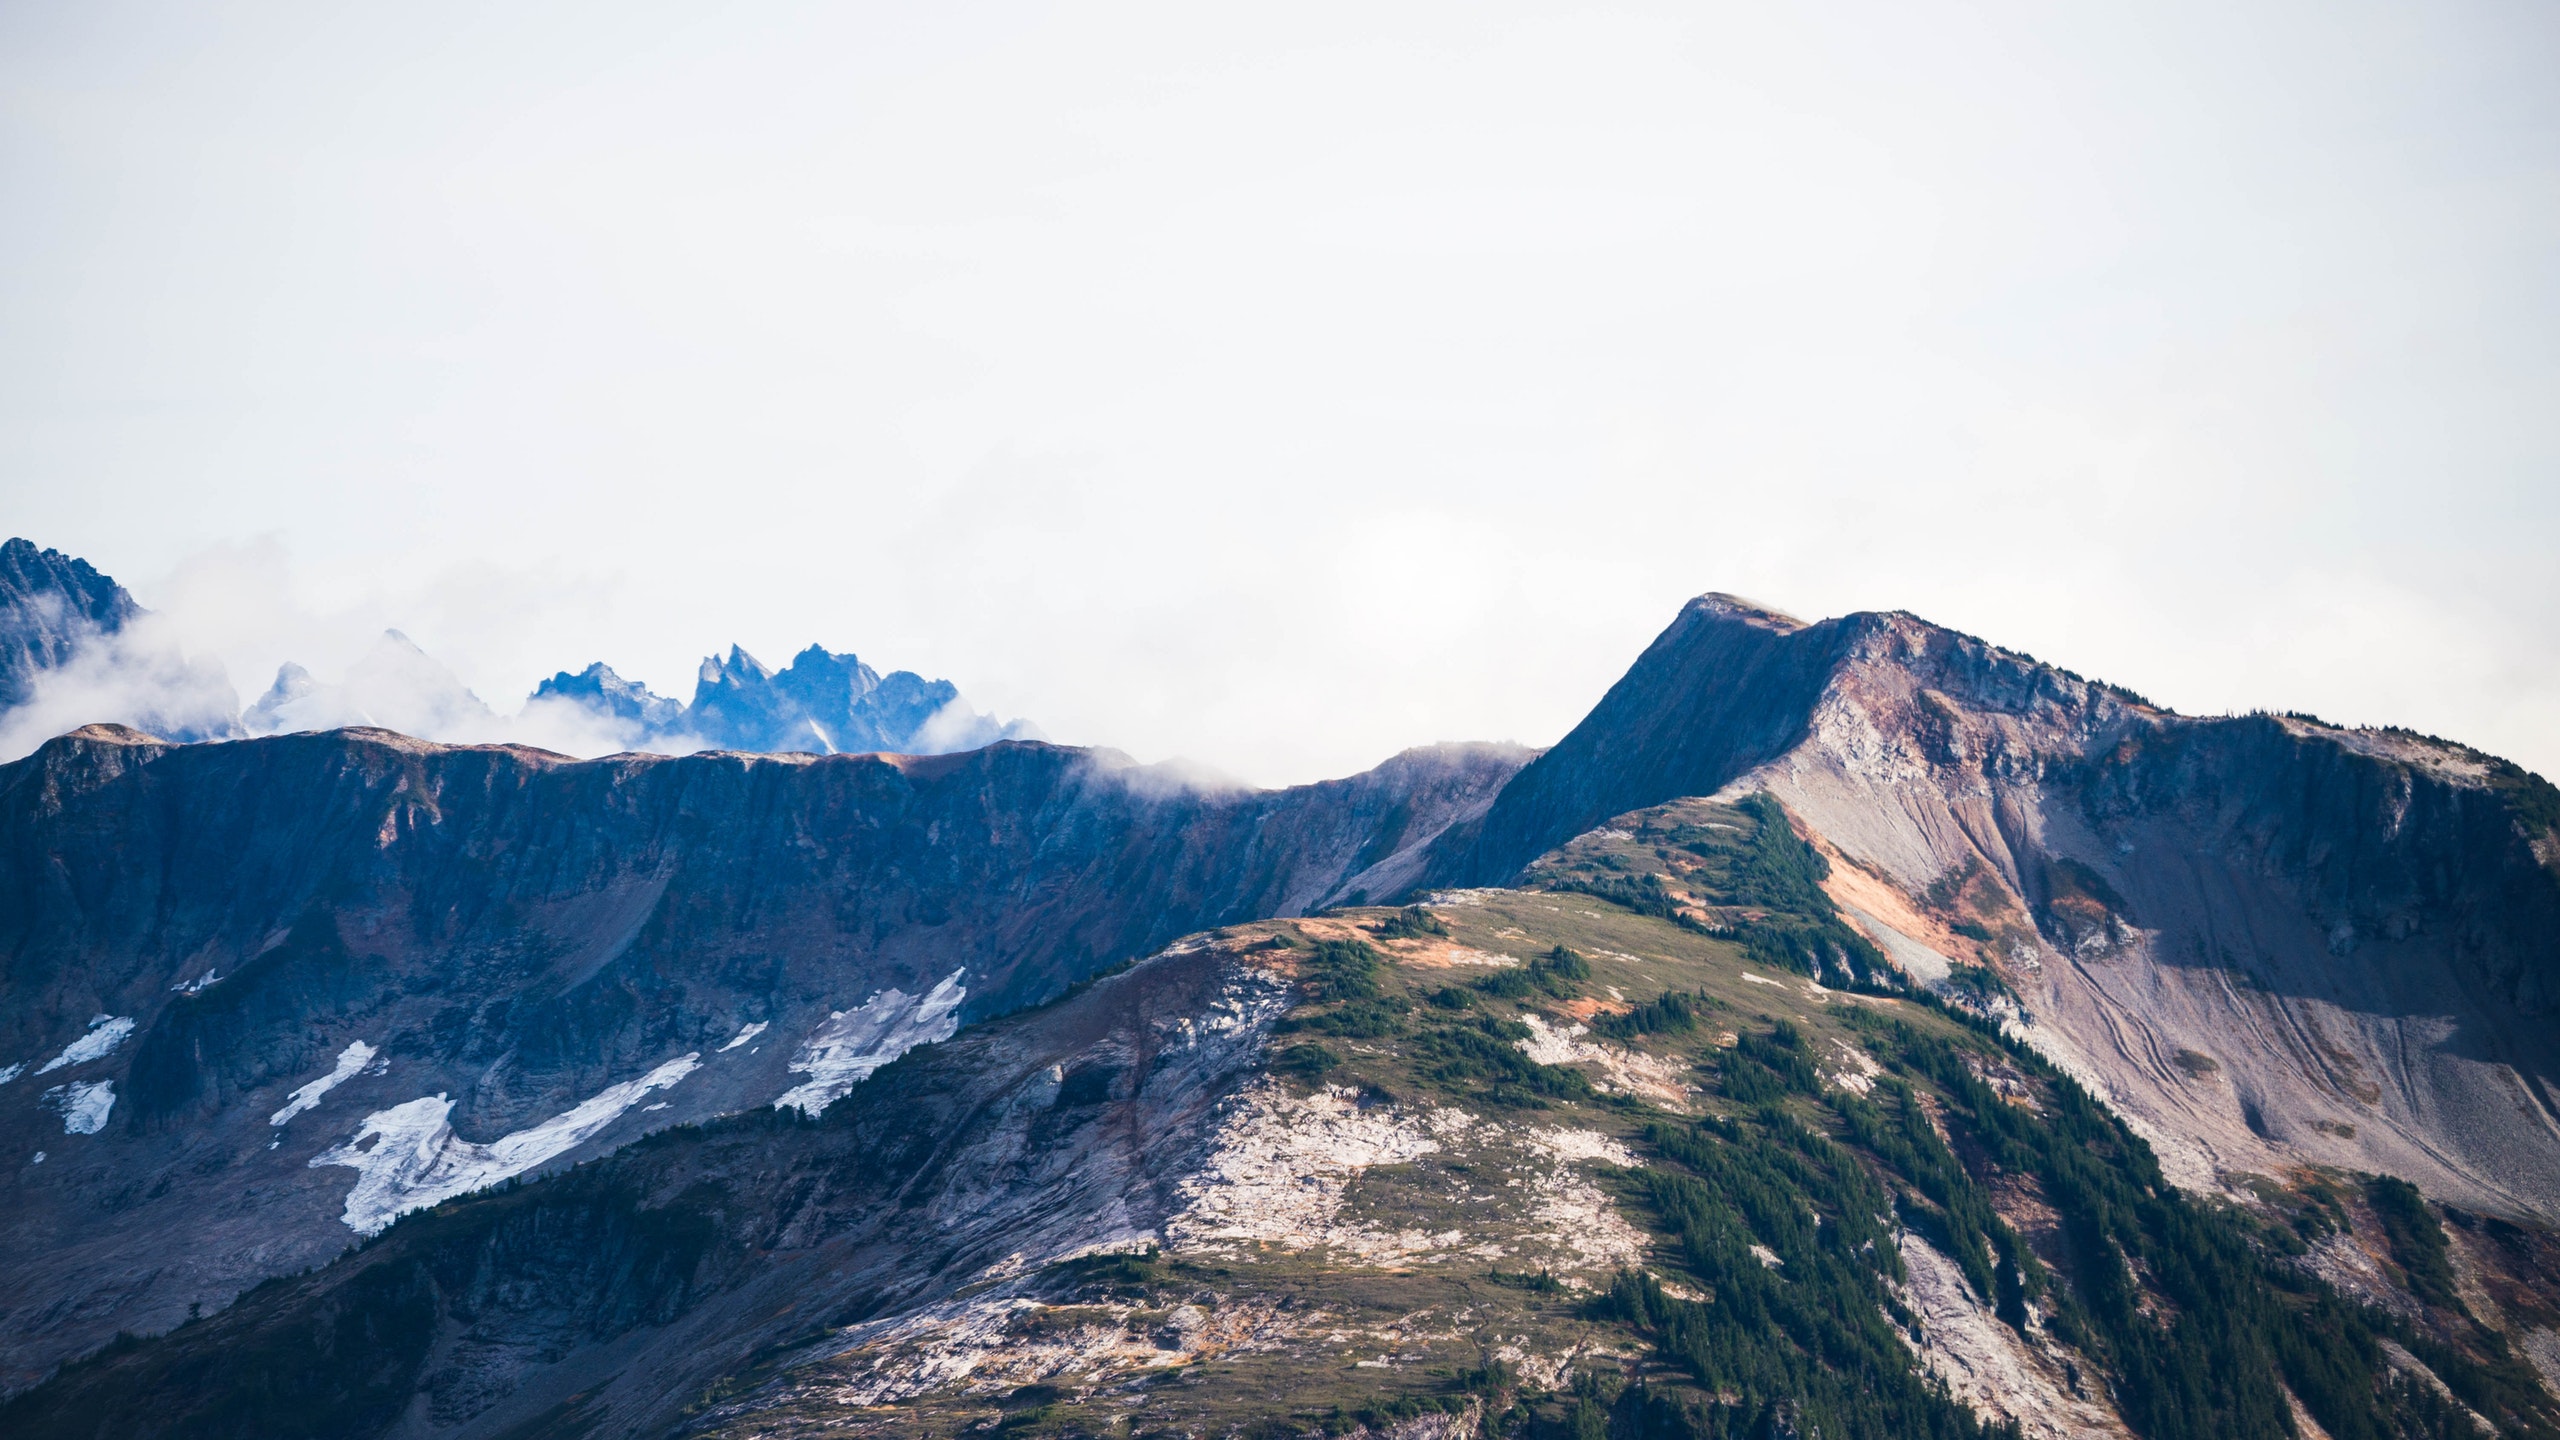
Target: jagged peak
x=737, y=666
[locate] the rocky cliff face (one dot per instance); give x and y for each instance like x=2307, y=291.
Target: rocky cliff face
x=2269, y=940
x=259, y=997
x=50, y=603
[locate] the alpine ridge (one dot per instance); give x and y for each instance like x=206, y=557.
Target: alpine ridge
x=2352, y=937
x=1850, y=1028
x=515, y=933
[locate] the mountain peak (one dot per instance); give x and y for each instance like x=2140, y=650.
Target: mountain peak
x=1750, y=612
x=599, y=690
x=49, y=603
x=395, y=684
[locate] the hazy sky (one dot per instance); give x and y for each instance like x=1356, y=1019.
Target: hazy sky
x=1282, y=388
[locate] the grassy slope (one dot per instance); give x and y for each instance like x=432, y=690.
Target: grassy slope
x=2189, y=1316
x=2186, y=1315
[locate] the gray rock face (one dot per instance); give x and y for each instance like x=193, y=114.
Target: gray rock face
x=568, y=953
x=2267, y=940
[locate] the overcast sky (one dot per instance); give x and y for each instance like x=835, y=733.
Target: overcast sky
x=1281, y=386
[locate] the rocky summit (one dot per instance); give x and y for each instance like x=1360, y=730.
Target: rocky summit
x=1850, y=1029
x=822, y=703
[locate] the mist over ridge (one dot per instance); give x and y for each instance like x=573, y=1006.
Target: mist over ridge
x=76, y=648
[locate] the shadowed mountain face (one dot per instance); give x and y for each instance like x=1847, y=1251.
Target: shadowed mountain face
x=74, y=647
x=664, y=1269
x=49, y=603
x=544, y=955
x=2268, y=940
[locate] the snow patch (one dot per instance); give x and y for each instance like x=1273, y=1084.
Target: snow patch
x=744, y=1036
x=106, y=1032
x=842, y=1052
x=83, y=1105
x=354, y=1058
x=416, y=1160
x=12, y=1072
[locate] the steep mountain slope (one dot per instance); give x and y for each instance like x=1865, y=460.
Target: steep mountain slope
x=2268, y=940
x=49, y=603
x=75, y=647
x=423, y=968
x=1529, y=1163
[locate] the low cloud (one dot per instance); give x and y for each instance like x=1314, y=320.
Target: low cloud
x=160, y=673
x=139, y=675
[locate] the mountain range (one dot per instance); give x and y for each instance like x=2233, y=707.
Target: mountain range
x=1850, y=1028
x=76, y=648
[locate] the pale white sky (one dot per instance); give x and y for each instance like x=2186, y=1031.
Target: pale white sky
x=1280, y=389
